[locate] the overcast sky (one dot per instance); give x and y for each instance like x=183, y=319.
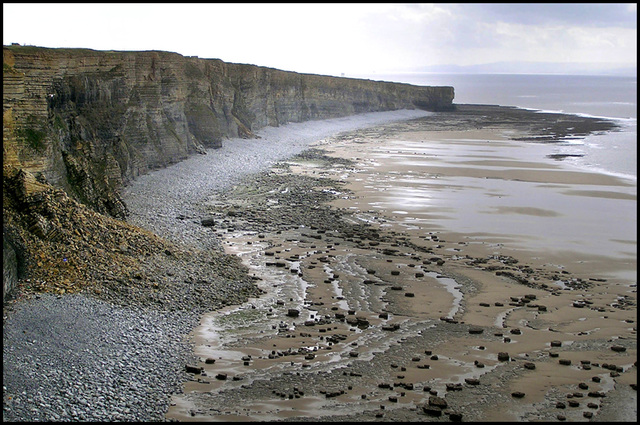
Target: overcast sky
x=339, y=38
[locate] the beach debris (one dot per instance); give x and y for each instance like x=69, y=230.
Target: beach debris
x=391, y=327
x=437, y=402
x=455, y=416
x=208, y=222
x=193, y=369
x=454, y=386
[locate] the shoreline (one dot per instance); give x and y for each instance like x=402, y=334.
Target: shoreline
x=200, y=176
x=280, y=230
x=510, y=190
x=505, y=304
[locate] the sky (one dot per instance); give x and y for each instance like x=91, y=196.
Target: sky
x=342, y=39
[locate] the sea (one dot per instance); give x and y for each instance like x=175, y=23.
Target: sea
x=611, y=97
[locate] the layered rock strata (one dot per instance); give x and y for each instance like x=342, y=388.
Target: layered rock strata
x=91, y=121
x=88, y=122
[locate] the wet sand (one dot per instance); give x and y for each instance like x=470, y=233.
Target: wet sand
x=465, y=268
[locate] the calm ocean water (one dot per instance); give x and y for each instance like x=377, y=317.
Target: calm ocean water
x=612, y=153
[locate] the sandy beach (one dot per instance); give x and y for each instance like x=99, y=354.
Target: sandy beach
x=439, y=274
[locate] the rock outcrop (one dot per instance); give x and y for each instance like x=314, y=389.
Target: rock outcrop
x=52, y=243
x=87, y=122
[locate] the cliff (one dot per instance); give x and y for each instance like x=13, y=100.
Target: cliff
x=80, y=124
x=90, y=121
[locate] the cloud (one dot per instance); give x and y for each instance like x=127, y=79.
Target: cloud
x=569, y=14
x=485, y=33
x=332, y=38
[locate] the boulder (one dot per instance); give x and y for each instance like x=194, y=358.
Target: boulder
x=208, y=222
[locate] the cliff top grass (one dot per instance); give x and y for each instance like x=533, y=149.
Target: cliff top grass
x=36, y=49
x=75, y=51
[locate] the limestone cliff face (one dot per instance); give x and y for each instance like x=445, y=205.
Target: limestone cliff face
x=90, y=121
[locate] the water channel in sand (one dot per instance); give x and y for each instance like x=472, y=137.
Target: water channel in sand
x=259, y=340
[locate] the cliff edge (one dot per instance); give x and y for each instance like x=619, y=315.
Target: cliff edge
x=82, y=124
x=90, y=121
